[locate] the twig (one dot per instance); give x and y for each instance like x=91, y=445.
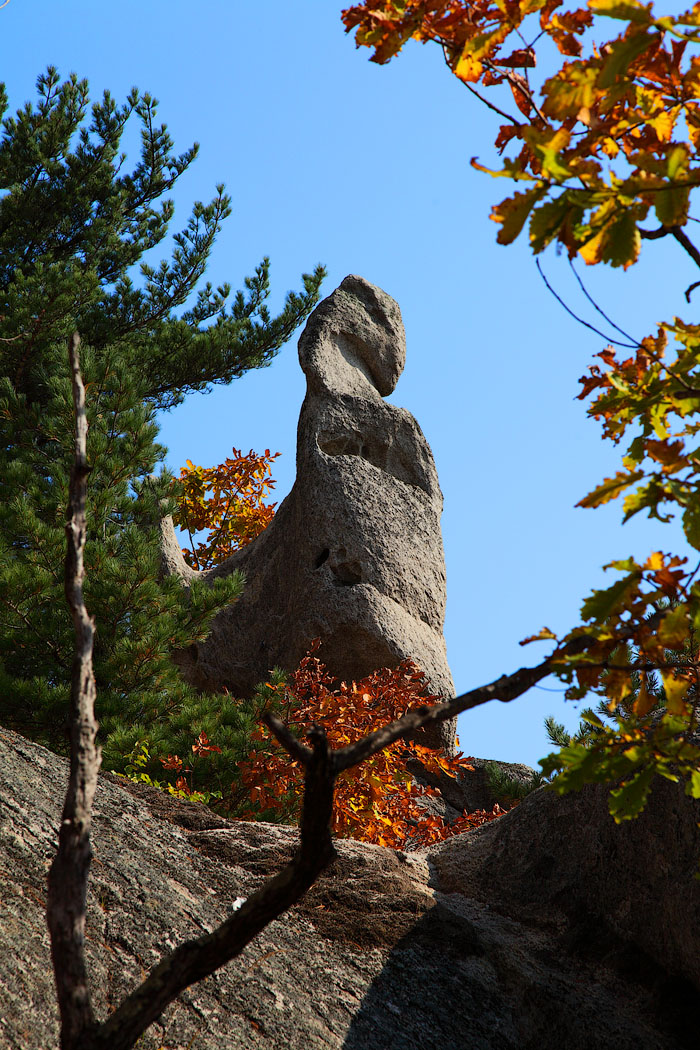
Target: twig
x=690, y=289
x=685, y=242
x=615, y=342
x=68, y=876
x=505, y=689
x=287, y=738
x=468, y=86
x=598, y=308
x=508, y=74
x=655, y=235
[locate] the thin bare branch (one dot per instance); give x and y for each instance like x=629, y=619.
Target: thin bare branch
x=598, y=308
x=690, y=289
x=685, y=242
x=68, y=876
x=655, y=235
x=469, y=87
x=586, y=324
x=505, y=689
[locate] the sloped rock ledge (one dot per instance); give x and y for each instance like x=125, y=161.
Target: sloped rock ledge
x=484, y=942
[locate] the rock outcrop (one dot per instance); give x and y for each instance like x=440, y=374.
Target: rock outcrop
x=354, y=554
x=548, y=928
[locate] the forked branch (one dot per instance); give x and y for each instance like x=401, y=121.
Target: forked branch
x=68, y=877
x=196, y=959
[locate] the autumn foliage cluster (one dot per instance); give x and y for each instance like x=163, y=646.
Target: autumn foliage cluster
x=379, y=800
x=226, y=502
x=375, y=802
x=603, y=147
x=607, y=142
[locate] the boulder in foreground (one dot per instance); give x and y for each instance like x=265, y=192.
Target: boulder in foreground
x=547, y=928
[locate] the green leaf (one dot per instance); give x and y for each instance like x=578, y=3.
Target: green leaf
x=601, y=604
x=677, y=161
x=543, y=635
x=675, y=690
x=628, y=10
x=622, y=241
x=622, y=54
x=673, y=629
x=610, y=488
x=628, y=801
x=671, y=205
x=513, y=212
x=645, y=498
x=546, y=221
x=692, y=788
x=571, y=90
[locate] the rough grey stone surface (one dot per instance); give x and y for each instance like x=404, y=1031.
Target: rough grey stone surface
x=477, y=944
x=354, y=555
x=563, y=862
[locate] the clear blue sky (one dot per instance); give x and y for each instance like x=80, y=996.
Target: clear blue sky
x=330, y=158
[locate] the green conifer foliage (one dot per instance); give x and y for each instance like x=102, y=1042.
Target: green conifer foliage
x=74, y=225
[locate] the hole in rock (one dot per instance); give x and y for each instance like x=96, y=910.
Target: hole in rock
x=323, y=556
x=340, y=444
x=384, y=454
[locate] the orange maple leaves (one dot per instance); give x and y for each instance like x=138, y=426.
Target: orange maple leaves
x=226, y=501
x=379, y=800
x=375, y=802
x=173, y=763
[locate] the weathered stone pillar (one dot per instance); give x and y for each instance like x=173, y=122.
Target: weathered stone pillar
x=354, y=554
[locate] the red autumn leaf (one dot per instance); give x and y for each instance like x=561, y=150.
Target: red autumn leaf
x=522, y=58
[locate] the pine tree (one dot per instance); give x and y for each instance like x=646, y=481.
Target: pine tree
x=74, y=227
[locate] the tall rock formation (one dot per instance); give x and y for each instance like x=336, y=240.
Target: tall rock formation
x=354, y=554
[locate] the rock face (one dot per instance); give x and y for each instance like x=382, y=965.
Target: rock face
x=626, y=892
x=354, y=554
x=548, y=928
